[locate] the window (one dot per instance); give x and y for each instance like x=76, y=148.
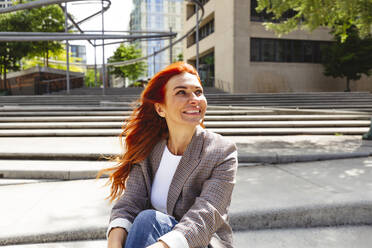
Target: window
x=282, y=50
x=172, y=22
x=191, y=8
x=159, y=5
x=204, y=31
x=171, y=7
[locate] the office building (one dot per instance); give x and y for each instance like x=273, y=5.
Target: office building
x=158, y=15
x=238, y=55
x=79, y=53
x=5, y=3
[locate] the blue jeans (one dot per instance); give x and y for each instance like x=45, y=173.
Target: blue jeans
x=148, y=226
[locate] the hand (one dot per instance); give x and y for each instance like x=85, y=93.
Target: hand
x=159, y=244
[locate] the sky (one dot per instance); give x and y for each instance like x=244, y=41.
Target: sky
x=116, y=18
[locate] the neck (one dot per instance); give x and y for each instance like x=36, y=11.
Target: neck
x=179, y=139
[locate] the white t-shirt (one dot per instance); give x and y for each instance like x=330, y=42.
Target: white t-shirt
x=163, y=179
x=159, y=196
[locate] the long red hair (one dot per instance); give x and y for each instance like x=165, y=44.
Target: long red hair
x=144, y=128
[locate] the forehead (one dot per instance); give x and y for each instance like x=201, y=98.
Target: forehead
x=183, y=79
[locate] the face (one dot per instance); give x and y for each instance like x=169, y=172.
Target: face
x=185, y=103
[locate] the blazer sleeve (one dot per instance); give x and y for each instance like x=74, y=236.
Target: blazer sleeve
x=134, y=199
x=210, y=209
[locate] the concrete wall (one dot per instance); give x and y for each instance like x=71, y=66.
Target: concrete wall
x=41, y=80
x=269, y=77
x=221, y=41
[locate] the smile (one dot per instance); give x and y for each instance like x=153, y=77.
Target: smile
x=192, y=112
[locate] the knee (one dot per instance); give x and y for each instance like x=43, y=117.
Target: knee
x=145, y=216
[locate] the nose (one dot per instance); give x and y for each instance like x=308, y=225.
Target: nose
x=193, y=98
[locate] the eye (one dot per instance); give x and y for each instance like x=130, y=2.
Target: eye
x=181, y=92
x=199, y=92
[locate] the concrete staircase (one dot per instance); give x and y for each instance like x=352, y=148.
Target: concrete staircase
x=50, y=154
x=78, y=121
x=359, y=101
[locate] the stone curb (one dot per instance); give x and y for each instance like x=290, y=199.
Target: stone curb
x=284, y=159
x=359, y=213
x=303, y=217
x=244, y=161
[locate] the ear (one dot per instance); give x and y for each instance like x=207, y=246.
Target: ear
x=159, y=109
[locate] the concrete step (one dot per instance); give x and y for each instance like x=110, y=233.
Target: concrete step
x=27, y=170
x=16, y=181
x=294, y=196
x=331, y=237
x=208, y=124
x=252, y=149
x=222, y=131
x=51, y=169
x=207, y=118
x=121, y=113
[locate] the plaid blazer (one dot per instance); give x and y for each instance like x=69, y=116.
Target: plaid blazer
x=200, y=192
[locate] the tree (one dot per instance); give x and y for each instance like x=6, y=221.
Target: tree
x=338, y=15
x=128, y=52
x=58, y=62
x=179, y=57
x=11, y=53
x=46, y=19
x=351, y=58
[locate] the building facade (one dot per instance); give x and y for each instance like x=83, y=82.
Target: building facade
x=79, y=53
x=158, y=15
x=238, y=55
x=5, y=3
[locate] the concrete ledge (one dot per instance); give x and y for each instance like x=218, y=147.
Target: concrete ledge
x=70, y=235
x=284, y=159
x=358, y=213
x=56, y=156
x=302, y=217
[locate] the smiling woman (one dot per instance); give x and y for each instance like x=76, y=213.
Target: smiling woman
x=174, y=181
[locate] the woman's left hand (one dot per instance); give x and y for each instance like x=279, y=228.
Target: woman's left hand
x=159, y=244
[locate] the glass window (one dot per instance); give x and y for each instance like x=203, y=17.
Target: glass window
x=280, y=51
x=308, y=51
x=268, y=50
x=298, y=53
x=255, y=50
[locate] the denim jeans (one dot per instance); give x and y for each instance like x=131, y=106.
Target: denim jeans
x=148, y=226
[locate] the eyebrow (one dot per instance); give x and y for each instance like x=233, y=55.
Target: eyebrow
x=184, y=87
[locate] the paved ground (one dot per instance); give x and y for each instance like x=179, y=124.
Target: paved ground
x=266, y=197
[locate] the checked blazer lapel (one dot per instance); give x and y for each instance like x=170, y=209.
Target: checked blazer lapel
x=188, y=162
x=156, y=156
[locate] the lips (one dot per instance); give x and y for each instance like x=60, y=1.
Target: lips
x=197, y=111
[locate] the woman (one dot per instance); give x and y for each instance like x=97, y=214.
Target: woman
x=175, y=180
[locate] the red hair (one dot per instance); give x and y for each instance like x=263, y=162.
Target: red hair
x=144, y=128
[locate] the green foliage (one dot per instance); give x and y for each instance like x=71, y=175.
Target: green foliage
x=12, y=52
x=46, y=19
x=338, y=15
x=58, y=62
x=128, y=52
x=350, y=59
x=179, y=57
x=90, y=78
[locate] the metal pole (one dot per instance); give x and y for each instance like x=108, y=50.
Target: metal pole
x=95, y=64
x=67, y=56
x=197, y=38
x=103, y=51
x=170, y=47
x=153, y=49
